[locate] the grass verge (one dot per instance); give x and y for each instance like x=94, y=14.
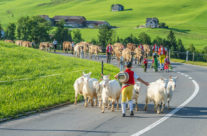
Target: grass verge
x=40, y=91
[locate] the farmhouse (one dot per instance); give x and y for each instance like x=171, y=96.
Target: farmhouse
x=117, y=7
x=75, y=21
x=71, y=21
x=96, y=24
x=152, y=22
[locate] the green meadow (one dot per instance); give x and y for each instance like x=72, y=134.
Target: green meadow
x=187, y=18
x=47, y=78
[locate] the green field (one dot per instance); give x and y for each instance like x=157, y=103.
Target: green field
x=38, y=91
x=187, y=18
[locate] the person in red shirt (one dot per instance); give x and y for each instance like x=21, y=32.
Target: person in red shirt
x=109, y=51
x=167, y=63
x=141, y=47
x=127, y=89
x=145, y=63
x=155, y=48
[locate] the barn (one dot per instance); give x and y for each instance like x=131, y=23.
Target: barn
x=96, y=24
x=71, y=21
x=152, y=22
x=117, y=7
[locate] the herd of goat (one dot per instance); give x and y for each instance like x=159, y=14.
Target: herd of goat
x=87, y=48
x=108, y=92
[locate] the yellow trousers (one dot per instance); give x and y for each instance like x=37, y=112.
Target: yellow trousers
x=162, y=59
x=127, y=93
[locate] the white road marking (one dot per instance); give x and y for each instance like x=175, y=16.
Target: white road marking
x=190, y=78
x=171, y=113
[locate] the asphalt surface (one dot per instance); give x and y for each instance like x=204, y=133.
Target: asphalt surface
x=75, y=120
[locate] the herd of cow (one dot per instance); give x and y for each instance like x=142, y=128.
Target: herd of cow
x=87, y=48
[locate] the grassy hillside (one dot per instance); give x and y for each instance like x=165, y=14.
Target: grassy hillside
x=186, y=17
x=38, y=91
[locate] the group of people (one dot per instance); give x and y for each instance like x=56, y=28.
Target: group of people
x=163, y=58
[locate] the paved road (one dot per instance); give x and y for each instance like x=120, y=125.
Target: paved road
x=75, y=120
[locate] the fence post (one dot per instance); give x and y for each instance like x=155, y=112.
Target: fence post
x=186, y=55
x=169, y=54
x=102, y=66
x=193, y=56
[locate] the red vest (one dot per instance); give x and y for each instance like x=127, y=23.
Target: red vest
x=145, y=61
x=109, y=50
x=155, y=48
x=162, y=51
x=141, y=47
x=131, y=77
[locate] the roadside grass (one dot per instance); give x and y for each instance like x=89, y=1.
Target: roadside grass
x=198, y=63
x=187, y=18
x=40, y=91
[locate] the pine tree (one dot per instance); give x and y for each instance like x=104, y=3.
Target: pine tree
x=172, y=40
x=181, y=49
x=77, y=37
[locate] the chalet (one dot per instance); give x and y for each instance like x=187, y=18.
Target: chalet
x=152, y=22
x=71, y=21
x=117, y=7
x=96, y=24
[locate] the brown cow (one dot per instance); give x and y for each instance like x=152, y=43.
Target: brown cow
x=126, y=53
x=131, y=46
x=94, y=49
x=138, y=55
x=146, y=49
x=85, y=46
x=27, y=44
x=9, y=41
x=67, y=46
x=19, y=42
x=117, y=50
x=45, y=45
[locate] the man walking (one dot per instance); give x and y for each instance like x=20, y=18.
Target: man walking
x=109, y=51
x=72, y=47
x=55, y=44
x=127, y=89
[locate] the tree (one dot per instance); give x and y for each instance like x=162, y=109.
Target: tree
x=39, y=29
x=158, y=40
x=1, y=29
x=62, y=34
x=172, y=40
x=191, y=48
x=33, y=29
x=144, y=38
x=77, y=37
x=10, y=31
x=181, y=49
x=23, y=28
x=105, y=35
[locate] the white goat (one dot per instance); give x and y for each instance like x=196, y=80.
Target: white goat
x=136, y=92
x=89, y=91
x=156, y=92
x=111, y=91
x=170, y=89
x=99, y=87
x=78, y=87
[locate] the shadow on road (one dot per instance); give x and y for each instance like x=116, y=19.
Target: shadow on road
x=58, y=130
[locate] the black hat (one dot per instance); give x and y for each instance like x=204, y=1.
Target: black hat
x=129, y=64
